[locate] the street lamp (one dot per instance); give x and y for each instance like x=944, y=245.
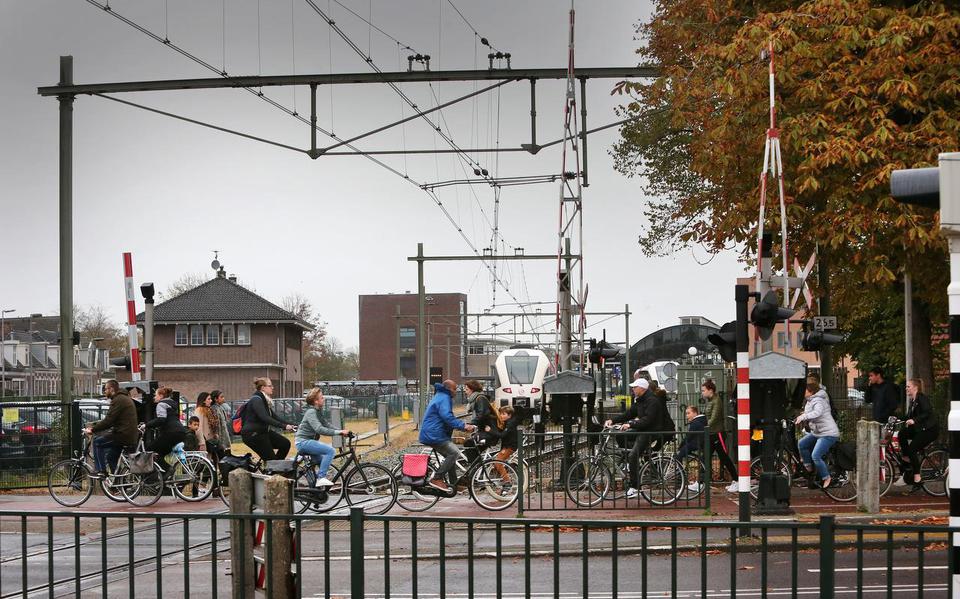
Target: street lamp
x=3, y=358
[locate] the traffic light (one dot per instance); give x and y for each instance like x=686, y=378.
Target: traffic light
x=601, y=351
x=123, y=362
x=816, y=340
x=726, y=341
x=767, y=313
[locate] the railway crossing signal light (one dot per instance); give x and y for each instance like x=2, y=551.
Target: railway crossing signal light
x=122, y=362
x=767, y=313
x=726, y=341
x=816, y=340
x=601, y=351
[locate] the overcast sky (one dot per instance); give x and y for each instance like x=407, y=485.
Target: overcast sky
x=334, y=228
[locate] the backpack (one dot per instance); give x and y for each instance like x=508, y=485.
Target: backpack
x=237, y=423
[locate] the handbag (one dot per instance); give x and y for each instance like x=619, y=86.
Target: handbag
x=141, y=462
x=414, y=469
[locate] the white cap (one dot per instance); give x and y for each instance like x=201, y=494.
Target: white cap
x=642, y=383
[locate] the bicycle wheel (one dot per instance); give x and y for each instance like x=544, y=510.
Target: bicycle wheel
x=843, y=485
x=887, y=475
x=587, y=482
x=409, y=498
x=69, y=483
x=618, y=468
x=306, y=495
x=933, y=472
x=112, y=484
x=143, y=490
x=756, y=469
x=494, y=485
x=193, y=479
x=371, y=487
x=696, y=484
x=661, y=480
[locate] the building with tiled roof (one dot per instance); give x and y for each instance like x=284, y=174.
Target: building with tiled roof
x=221, y=335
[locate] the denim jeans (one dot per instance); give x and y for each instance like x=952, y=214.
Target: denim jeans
x=321, y=453
x=450, y=453
x=105, y=451
x=813, y=448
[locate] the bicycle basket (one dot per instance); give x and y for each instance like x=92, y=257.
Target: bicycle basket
x=414, y=469
x=141, y=462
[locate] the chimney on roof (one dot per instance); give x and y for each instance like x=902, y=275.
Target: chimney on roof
x=232, y=278
x=221, y=273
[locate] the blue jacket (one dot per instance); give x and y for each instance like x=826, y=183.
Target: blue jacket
x=438, y=421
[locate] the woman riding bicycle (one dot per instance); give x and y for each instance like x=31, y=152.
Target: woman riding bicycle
x=312, y=426
x=437, y=428
x=485, y=418
x=920, y=429
x=170, y=430
x=824, y=432
x=258, y=418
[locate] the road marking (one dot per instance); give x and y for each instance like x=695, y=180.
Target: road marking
x=880, y=568
x=814, y=591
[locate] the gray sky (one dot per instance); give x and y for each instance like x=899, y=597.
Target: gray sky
x=331, y=229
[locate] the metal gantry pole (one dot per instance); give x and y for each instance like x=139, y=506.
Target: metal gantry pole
x=66, y=233
x=742, y=296
x=421, y=334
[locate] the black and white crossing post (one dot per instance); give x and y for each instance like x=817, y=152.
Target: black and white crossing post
x=940, y=187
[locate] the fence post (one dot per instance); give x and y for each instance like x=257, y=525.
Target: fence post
x=278, y=499
x=241, y=538
x=827, y=548
x=356, y=553
x=868, y=466
x=383, y=420
x=336, y=422
x=707, y=465
x=520, y=473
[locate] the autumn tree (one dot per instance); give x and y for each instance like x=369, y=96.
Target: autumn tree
x=185, y=283
x=93, y=322
x=863, y=88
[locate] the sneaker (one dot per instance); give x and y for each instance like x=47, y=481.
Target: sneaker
x=694, y=487
x=439, y=485
x=631, y=493
x=323, y=481
x=900, y=482
x=734, y=487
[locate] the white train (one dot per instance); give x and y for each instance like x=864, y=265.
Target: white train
x=518, y=377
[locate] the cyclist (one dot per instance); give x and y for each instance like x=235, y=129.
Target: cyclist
x=920, y=429
x=118, y=428
x=644, y=417
x=824, y=432
x=170, y=430
x=258, y=418
x=312, y=426
x=436, y=430
x=485, y=417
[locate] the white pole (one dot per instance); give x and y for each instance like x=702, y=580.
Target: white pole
x=907, y=323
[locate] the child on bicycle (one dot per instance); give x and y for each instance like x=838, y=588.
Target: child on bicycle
x=312, y=426
x=508, y=436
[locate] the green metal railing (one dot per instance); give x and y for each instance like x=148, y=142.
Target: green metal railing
x=98, y=554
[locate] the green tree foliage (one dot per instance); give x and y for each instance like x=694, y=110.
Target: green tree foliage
x=863, y=88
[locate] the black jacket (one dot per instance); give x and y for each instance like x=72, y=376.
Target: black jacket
x=885, y=398
x=646, y=413
x=922, y=413
x=694, y=438
x=167, y=419
x=483, y=414
x=258, y=417
x=509, y=436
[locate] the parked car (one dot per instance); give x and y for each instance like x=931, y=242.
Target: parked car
x=855, y=397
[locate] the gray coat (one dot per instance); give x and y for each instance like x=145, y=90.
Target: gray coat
x=313, y=425
x=817, y=415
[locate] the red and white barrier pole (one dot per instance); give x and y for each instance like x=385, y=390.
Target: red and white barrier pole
x=742, y=295
x=131, y=317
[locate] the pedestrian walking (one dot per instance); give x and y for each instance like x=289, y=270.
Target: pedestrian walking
x=717, y=422
x=193, y=439
x=921, y=428
x=209, y=420
x=258, y=417
x=224, y=417
x=311, y=427
x=824, y=433
x=883, y=394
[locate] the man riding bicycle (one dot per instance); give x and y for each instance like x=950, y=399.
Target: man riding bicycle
x=118, y=428
x=437, y=428
x=644, y=417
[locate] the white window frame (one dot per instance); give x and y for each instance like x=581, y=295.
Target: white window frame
x=186, y=335
x=223, y=337
x=210, y=329
x=249, y=331
x=196, y=327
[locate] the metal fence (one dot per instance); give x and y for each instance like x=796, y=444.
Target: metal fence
x=34, y=435
x=355, y=555
x=581, y=470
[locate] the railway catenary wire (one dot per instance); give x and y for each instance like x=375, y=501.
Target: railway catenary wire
x=223, y=73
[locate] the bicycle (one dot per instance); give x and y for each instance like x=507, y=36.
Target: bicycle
x=366, y=485
x=493, y=484
x=70, y=482
x=591, y=480
x=934, y=462
x=193, y=476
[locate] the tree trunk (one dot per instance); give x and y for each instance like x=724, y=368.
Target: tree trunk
x=922, y=344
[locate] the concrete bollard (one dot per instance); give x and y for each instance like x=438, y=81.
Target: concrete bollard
x=383, y=420
x=241, y=534
x=868, y=466
x=278, y=499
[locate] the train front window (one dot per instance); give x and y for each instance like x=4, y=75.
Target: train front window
x=521, y=369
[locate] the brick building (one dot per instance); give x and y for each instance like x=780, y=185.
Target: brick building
x=389, y=335
x=221, y=335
